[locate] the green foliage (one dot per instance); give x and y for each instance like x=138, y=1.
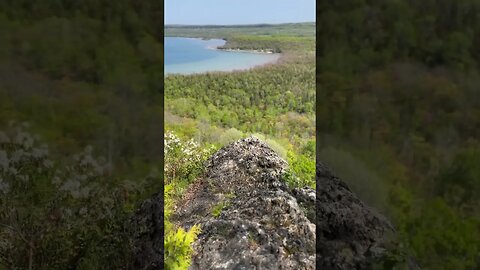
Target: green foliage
x=273, y=144
x=302, y=168
x=249, y=101
x=398, y=94
x=442, y=238
x=459, y=183
x=55, y=63
x=80, y=73
x=217, y=209
x=184, y=162
x=219, y=108
x=263, y=30
x=253, y=101
x=433, y=32
x=291, y=179
x=273, y=43
x=56, y=214
x=230, y=135
x=177, y=241
x=224, y=107
x=178, y=248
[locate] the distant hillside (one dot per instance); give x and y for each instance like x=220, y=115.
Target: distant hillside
x=211, y=31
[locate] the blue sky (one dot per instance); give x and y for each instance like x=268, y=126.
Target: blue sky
x=238, y=11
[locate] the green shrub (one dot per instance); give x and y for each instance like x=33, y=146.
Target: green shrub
x=177, y=241
x=183, y=163
x=303, y=168
x=184, y=159
x=60, y=214
x=230, y=135
x=280, y=150
x=291, y=179
x=178, y=249
x=217, y=209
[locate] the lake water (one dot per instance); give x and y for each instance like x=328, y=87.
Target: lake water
x=193, y=55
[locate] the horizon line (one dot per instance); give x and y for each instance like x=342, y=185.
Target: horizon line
x=248, y=24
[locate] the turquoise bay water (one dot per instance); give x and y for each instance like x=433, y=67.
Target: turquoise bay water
x=193, y=55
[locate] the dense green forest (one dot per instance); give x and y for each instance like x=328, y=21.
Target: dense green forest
x=398, y=117
x=205, y=111
x=275, y=102
x=80, y=129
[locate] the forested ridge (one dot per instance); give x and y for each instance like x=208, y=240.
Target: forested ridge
x=398, y=118
x=80, y=129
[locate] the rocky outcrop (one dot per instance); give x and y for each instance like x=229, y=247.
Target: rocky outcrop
x=350, y=235
x=250, y=219
x=248, y=216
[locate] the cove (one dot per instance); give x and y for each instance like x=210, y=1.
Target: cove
x=194, y=55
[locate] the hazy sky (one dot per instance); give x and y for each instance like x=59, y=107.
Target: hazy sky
x=238, y=11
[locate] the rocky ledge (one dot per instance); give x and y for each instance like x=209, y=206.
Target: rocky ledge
x=250, y=219
x=350, y=235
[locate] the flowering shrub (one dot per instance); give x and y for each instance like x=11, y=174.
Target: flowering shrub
x=183, y=159
x=59, y=214
x=183, y=162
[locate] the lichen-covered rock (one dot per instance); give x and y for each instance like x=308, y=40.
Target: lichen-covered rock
x=350, y=235
x=249, y=218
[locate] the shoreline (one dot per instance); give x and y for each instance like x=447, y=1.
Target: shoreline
x=259, y=51
x=266, y=51
x=219, y=48
x=263, y=65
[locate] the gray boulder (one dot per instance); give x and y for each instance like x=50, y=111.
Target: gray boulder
x=250, y=219
x=248, y=216
x=350, y=235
